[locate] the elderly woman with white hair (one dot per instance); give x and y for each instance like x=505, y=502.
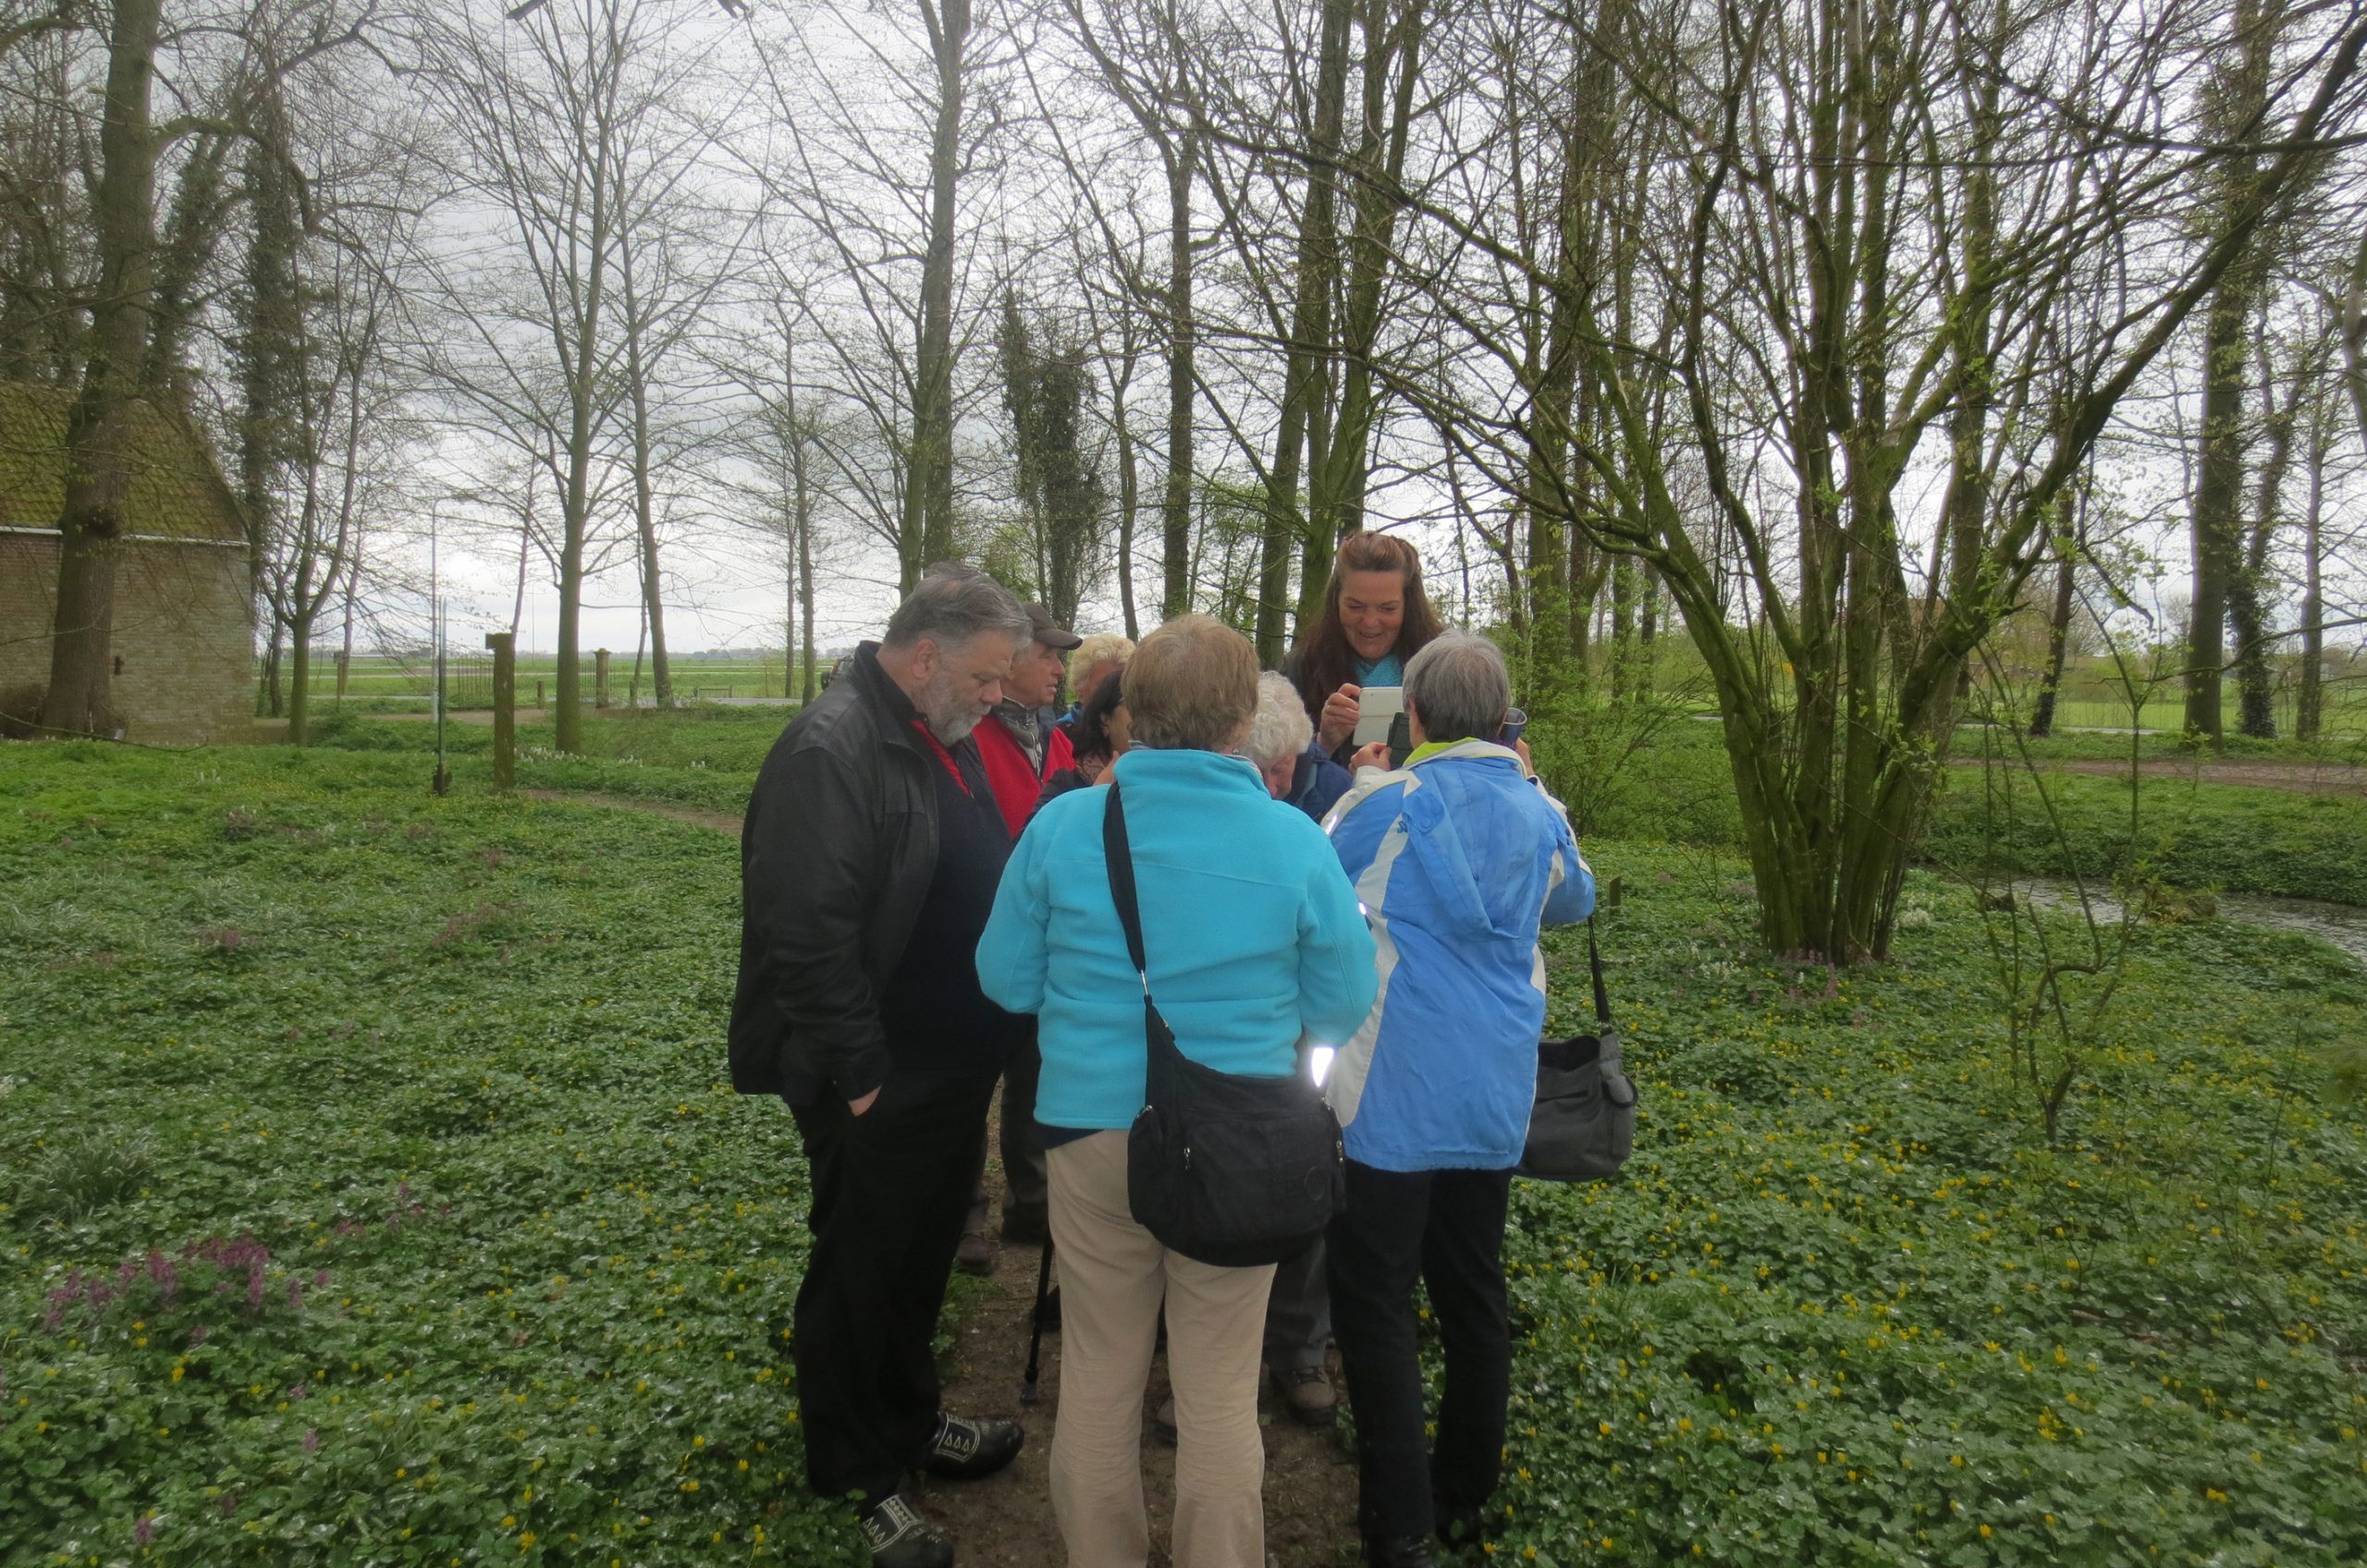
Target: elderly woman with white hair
x=1092, y=662
x=1458, y=858
x=1281, y=743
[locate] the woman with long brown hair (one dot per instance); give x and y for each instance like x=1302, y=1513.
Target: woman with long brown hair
x=1374, y=617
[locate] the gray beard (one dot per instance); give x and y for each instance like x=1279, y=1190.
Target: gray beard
x=952, y=731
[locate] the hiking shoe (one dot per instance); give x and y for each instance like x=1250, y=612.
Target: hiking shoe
x=976, y=1255
x=900, y=1537
x=1399, y=1551
x=965, y=1450
x=1308, y=1392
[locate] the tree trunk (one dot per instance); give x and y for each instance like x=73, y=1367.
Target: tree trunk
x=2248, y=607
x=2234, y=99
x=2308, y=707
x=928, y=495
x=272, y=698
x=2218, y=493
x=2059, y=647
x=300, y=676
x=644, y=510
x=1129, y=501
x=1317, y=263
x=1175, y=521
x=1392, y=41
x=98, y=472
x=345, y=653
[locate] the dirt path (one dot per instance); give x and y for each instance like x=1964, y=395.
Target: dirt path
x=2314, y=778
x=1007, y=1521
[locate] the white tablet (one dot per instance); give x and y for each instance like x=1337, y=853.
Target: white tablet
x=1376, y=707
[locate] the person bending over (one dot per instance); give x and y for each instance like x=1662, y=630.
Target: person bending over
x=1285, y=955
x=868, y=861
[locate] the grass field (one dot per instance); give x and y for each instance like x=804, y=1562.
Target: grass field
x=418, y=1106
x=411, y=680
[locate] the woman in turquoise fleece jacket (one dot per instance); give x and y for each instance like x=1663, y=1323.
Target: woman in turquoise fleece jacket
x=1253, y=943
x=1250, y=925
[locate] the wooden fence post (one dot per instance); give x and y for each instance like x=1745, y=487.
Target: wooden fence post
x=599, y=678
x=505, y=708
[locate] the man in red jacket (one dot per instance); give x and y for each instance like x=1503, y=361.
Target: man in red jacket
x=1020, y=749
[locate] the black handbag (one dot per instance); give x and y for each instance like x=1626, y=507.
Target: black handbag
x=1584, y=1123
x=1226, y=1169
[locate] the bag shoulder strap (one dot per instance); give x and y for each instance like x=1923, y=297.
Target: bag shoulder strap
x=1594, y=965
x=1159, y=1038
x=1121, y=856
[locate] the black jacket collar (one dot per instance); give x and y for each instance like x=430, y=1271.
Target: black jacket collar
x=882, y=698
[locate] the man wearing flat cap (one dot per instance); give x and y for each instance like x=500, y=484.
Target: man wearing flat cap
x=1021, y=748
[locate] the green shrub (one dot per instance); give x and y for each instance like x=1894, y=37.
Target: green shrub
x=82, y=1174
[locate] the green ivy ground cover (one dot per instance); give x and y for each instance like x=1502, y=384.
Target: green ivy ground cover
x=464, y=1059
x=1849, y=1306
x=413, y=1221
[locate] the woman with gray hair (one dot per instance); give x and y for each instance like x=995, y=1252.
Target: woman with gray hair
x=1289, y=957
x=1281, y=743
x=1458, y=858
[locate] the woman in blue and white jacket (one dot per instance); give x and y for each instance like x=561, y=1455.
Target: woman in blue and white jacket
x=1458, y=858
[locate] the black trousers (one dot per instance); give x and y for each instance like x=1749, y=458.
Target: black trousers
x=1026, y=1183
x=1026, y=1180
x=1445, y=1228
x=890, y=1189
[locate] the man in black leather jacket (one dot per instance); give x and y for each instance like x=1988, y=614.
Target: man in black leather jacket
x=868, y=863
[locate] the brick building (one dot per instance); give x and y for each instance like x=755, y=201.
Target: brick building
x=184, y=621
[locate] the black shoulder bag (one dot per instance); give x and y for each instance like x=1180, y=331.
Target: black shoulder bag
x=1225, y=1169
x=1584, y=1123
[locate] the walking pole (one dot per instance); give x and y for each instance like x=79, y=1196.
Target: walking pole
x=1027, y=1391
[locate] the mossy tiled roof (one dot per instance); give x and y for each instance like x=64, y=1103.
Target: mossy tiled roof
x=175, y=489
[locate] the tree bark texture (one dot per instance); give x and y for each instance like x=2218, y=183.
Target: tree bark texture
x=98, y=433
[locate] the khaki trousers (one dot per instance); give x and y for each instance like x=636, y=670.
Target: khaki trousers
x=1114, y=1276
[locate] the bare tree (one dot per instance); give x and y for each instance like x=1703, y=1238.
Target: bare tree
x=552, y=113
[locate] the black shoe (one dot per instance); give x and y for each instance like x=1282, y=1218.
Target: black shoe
x=975, y=1253
x=965, y=1450
x=1399, y=1551
x=900, y=1537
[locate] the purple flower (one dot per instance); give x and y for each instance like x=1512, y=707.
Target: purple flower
x=197, y=1335
x=320, y=1281
x=143, y=1529
x=295, y=1295
x=311, y=1439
